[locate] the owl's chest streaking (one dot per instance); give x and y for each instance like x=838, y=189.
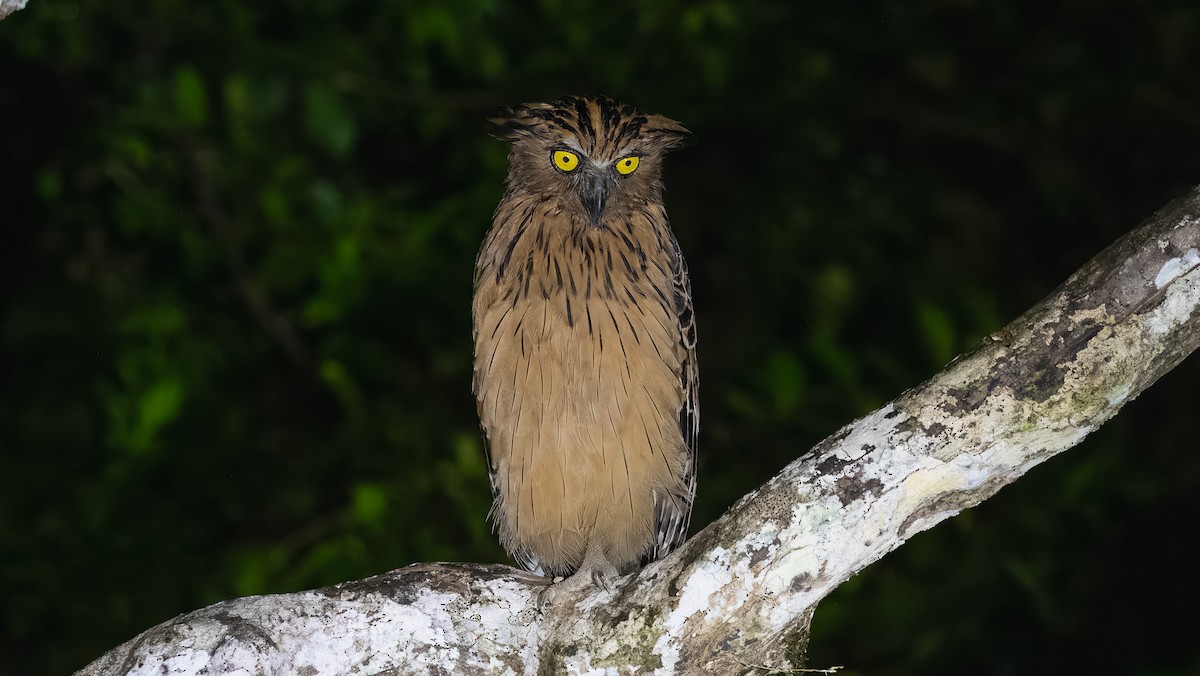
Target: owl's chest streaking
x=577, y=378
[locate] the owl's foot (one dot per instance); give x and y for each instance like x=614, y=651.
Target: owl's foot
x=596, y=570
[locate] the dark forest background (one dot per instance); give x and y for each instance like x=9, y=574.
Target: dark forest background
x=235, y=278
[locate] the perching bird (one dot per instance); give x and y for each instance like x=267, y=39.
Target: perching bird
x=585, y=345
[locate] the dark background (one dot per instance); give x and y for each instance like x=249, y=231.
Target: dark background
x=235, y=262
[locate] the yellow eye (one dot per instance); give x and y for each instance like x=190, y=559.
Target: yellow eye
x=566, y=160
x=626, y=166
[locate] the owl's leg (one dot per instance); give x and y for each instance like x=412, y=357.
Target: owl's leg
x=595, y=570
x=597, y=567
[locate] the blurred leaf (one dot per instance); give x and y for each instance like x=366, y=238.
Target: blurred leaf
x=469, y=456
x=154, y=320
x=787, y=381
x=370, y=503
x=274, y=203
x=49, y=185
x=133, y=149
x=335, y=375
x=434, y=23
x=938, y=332
x=328, y=120
x=191, y=101
x=327, y=203
x=834, y=292
x=158, y=407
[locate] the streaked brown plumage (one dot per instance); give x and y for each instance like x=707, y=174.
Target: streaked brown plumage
x=585, y=363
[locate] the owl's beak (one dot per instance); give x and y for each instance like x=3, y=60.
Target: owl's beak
x=594, y=194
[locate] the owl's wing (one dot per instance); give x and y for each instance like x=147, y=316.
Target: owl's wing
x=526, y=559
x=673, y=513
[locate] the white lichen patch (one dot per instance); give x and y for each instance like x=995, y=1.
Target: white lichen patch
x=868, y=432
x=798, y=553
x=1176, y=267
x=705, y=578
x=792, y=580
x=597, y=598
x=580, y=664
x=187, y=661
x=1118, y=396
x=313, y=634
x=933, y=478
x=1177, y=307
x=424, y=632
x=502, y=616
x=756, y=542
x=188, y=656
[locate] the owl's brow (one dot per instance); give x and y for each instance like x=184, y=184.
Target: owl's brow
x=630, y=151
x=568, y=143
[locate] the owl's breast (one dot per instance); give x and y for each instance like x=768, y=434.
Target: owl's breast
x=589, y=312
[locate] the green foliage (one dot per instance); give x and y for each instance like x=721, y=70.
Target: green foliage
x=236, y=272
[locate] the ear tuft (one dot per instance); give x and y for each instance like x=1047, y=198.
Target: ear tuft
x=510, y=124
x=666, y=133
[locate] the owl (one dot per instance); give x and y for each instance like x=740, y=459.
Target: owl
x=585, y=372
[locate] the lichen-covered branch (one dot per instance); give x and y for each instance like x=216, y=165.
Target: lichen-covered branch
x=743, y=590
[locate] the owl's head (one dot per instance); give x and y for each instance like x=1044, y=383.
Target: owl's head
x=594, y=155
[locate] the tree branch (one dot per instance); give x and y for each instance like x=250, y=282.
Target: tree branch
x=743, y=590
x=9, y=6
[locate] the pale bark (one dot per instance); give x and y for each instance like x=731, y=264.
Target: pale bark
x=742, y=591
x=9, y=6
